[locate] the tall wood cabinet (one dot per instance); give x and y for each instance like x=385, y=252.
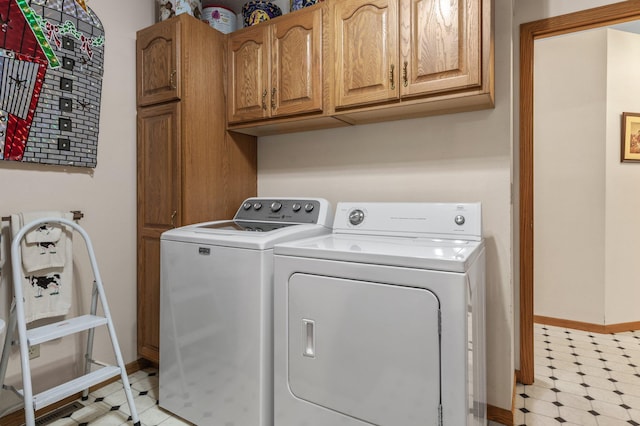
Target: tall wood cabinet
x=190, y=169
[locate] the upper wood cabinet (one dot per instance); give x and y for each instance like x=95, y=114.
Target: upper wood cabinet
x=360, y=61
x=275, y=69
x=440, y=46
x=158, y=63
x=390, y=49
x=366, y=42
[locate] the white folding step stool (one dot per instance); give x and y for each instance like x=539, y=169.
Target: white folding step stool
x=10, y=398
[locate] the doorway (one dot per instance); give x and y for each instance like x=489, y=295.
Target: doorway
x=529, y=32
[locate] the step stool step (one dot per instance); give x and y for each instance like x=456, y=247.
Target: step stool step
x=74, y=386
x=60, y=329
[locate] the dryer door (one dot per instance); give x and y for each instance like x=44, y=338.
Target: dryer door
x=365, y=350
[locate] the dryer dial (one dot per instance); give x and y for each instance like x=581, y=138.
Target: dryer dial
x=356, y=217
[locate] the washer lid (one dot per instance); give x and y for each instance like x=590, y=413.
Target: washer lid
x=422, y=253
x=231, y=233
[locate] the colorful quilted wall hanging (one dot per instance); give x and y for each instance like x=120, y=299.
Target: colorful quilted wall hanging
x=51, y=66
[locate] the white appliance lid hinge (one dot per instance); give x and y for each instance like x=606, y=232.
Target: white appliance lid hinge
x=440, y=414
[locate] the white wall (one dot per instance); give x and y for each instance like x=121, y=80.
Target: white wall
x=459, y=157
x=622, y=204
x=106, y=195
x=569, y=175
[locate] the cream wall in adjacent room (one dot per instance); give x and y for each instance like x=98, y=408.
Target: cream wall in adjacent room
x=106, y=196
x=585, y=247
x=570, y=81
x=622, y=291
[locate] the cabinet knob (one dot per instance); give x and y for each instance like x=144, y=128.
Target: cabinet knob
x=264, y=99
x=391, y=79
x=273, y=98
x=173, y=217
x=405, y=77
x=172, y=81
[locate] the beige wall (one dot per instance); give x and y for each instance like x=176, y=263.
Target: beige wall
x=570, y=106
x=106, y=195
x=622, y=205
x=585, y=238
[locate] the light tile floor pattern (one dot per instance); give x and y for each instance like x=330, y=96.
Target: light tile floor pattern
x=582, y=378
x=108, y=406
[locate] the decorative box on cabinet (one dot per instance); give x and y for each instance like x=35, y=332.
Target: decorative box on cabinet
x=190, y=169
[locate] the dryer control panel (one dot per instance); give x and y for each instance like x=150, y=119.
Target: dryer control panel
x=434, y=220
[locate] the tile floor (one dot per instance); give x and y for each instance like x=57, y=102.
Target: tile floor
x=582, y=378
x=108, y=405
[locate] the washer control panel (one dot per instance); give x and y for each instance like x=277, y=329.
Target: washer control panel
x=286, y=210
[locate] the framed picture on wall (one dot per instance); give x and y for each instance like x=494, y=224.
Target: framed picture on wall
x=630, y=150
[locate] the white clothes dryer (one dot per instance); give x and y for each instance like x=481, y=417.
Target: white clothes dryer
x=382, y=322
x=216, y=299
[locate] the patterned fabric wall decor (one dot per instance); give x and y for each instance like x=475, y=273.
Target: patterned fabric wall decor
x=51, y=66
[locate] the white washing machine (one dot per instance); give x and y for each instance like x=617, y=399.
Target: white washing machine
x=382, y=321
x=216, y=324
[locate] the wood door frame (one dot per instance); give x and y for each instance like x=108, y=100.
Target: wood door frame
x=529, y=32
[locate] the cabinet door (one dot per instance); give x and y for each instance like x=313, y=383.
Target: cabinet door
x=296, y=85
x=158, y=63
x=248, y=74
x=149, y=297
x=440, y=45
x=158, y=210
x=366, y=37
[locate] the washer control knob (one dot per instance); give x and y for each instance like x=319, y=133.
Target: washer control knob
x=459, y=220
x=296, y=207
x=356, y=217
x=257, y=206
x=276, y=206
x=246, y=205
x=308, y=207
